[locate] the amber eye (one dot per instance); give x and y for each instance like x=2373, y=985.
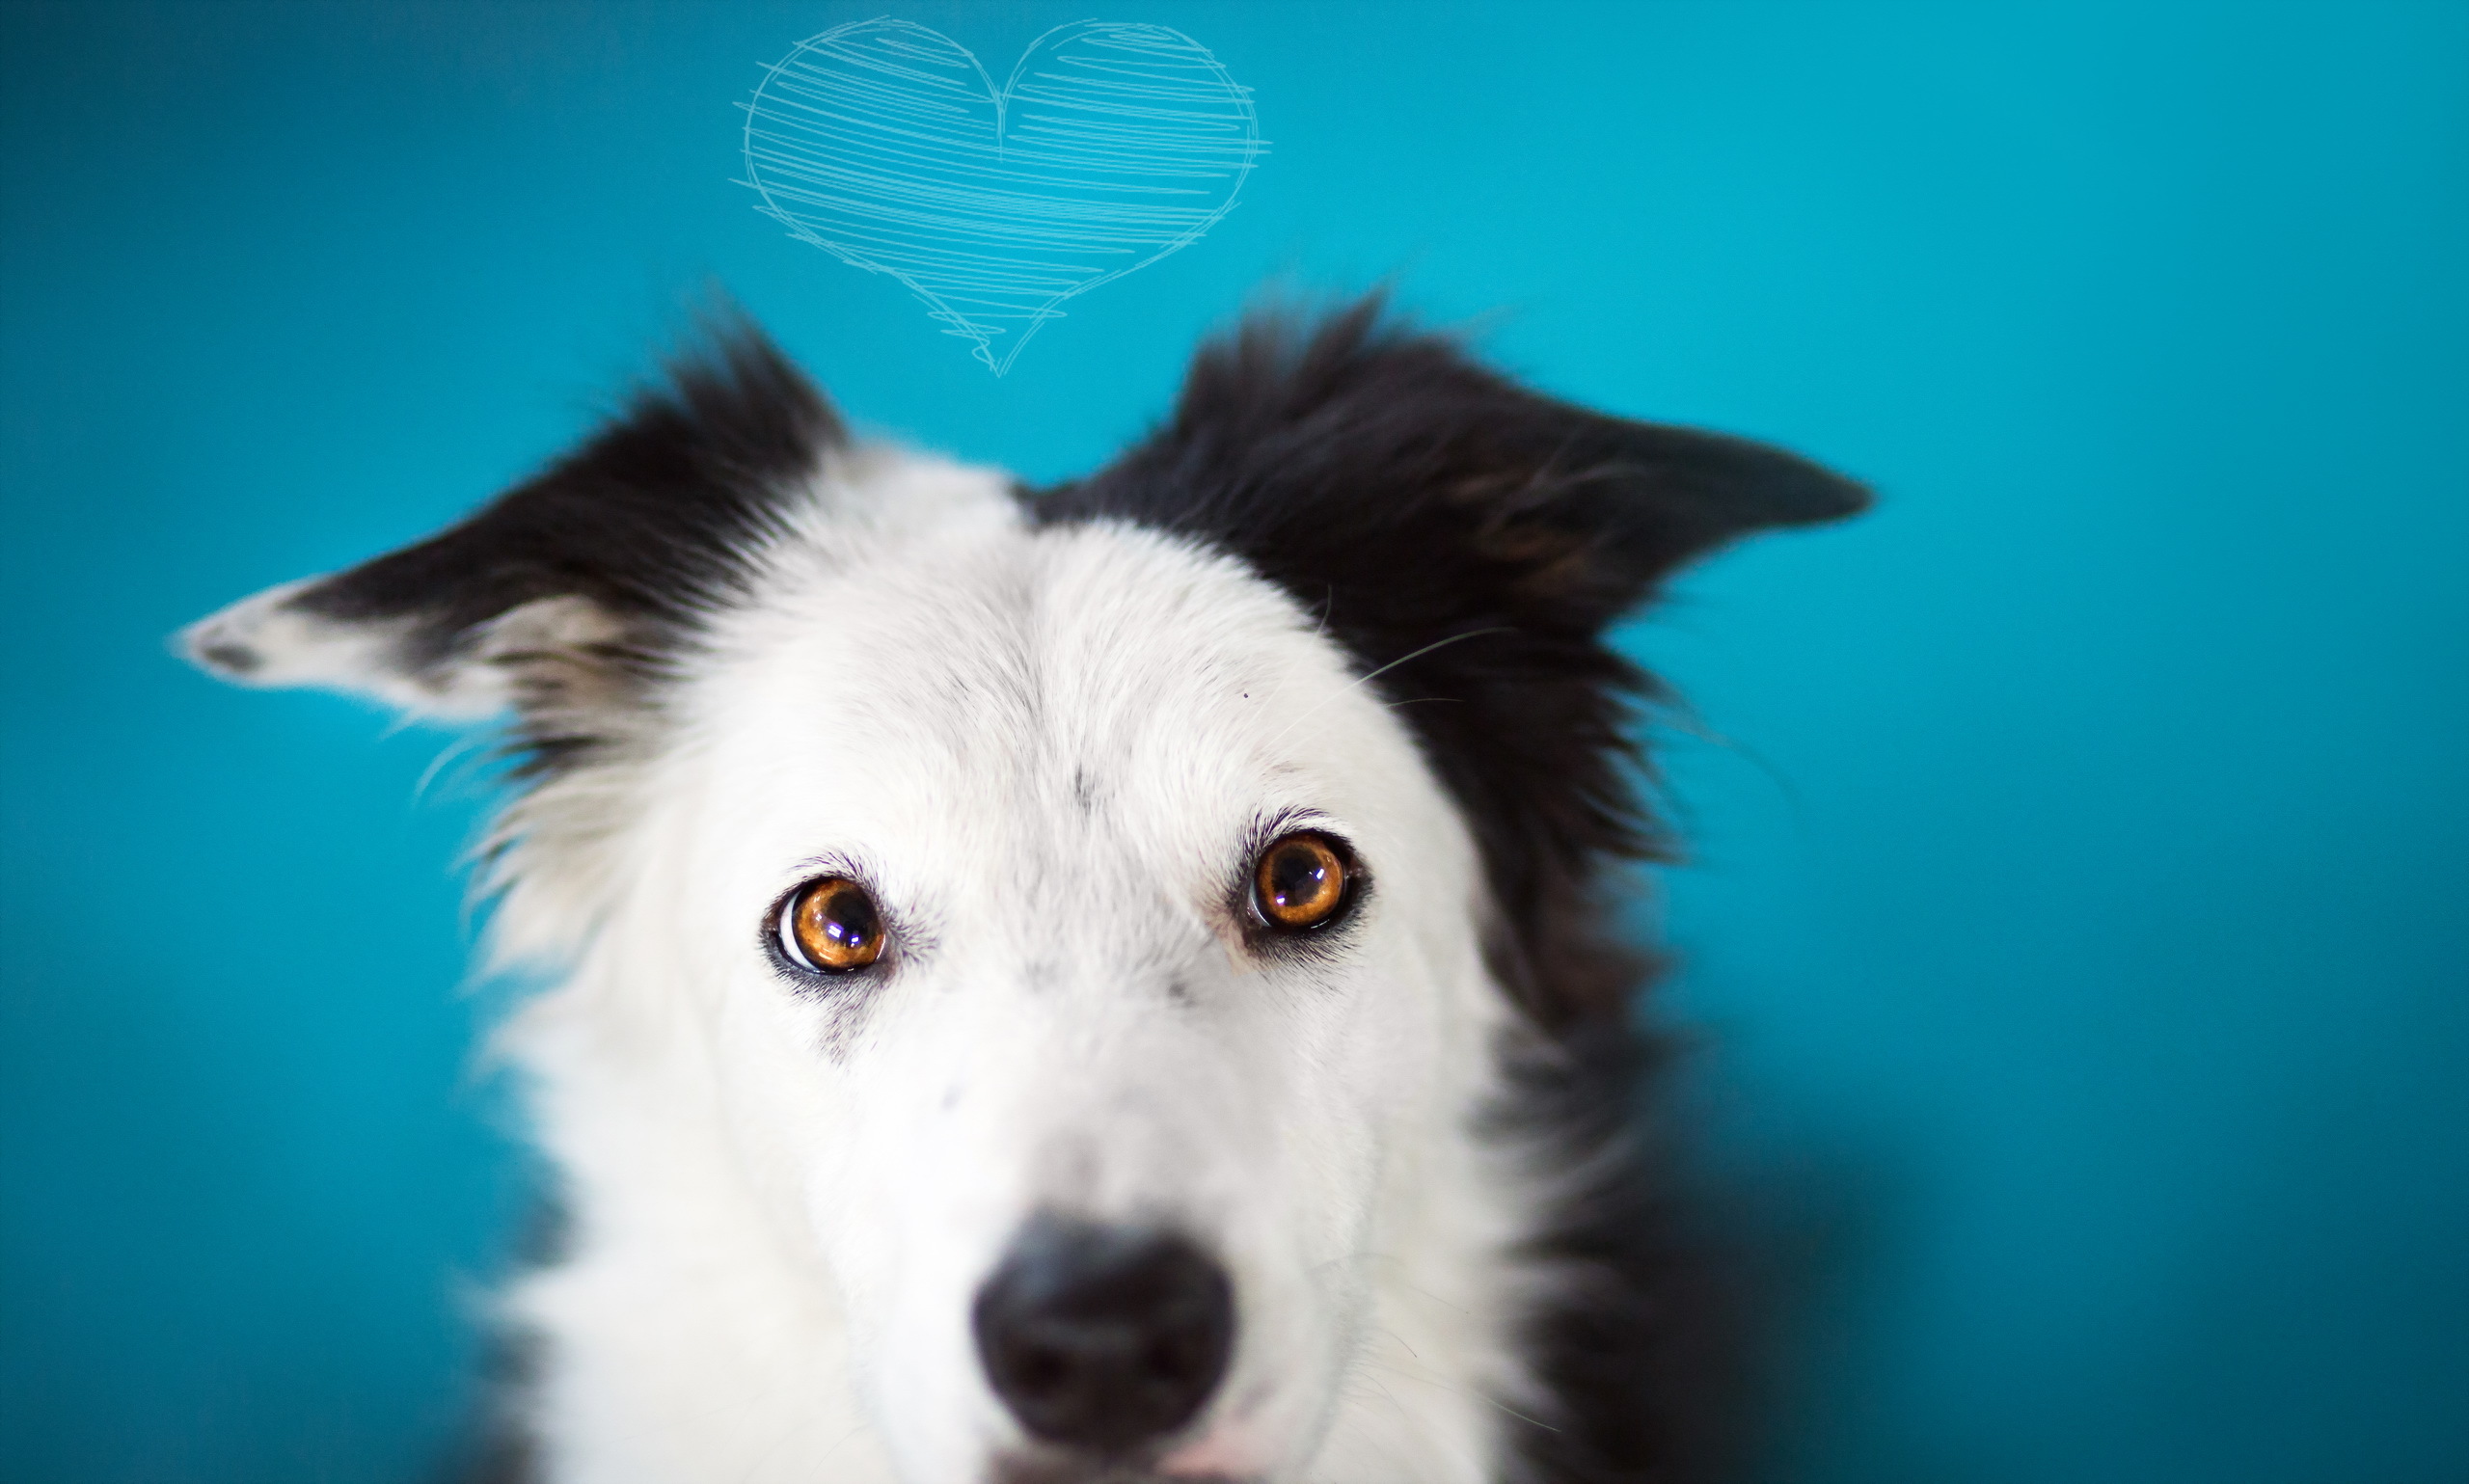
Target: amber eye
x=1300, y=882
x=832, y=926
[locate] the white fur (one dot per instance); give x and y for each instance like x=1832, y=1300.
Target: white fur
x=1044, y=751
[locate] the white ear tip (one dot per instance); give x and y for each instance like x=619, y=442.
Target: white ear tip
x=269, y=642
x=222, y=643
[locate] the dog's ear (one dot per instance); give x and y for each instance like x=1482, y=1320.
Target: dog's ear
x=568, y=592
x=1426, y=491
x=1469, y=541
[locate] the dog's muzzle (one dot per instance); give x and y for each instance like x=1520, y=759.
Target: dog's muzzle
x=1105, y=1339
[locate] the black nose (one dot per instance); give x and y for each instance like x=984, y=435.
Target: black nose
x=1103, y=1337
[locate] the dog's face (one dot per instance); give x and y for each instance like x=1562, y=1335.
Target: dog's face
x=1060, y=908
x=1067, y=878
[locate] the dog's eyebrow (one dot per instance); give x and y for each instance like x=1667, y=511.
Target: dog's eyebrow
x=1278, y=822
x=831, y=860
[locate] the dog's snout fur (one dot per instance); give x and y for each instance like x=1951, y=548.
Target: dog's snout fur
x=1105, y=1338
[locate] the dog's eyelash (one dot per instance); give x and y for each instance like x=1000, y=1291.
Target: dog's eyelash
x=1320, y=941
x=788, y=964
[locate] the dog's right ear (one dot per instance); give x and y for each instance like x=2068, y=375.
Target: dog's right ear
x=565, y=594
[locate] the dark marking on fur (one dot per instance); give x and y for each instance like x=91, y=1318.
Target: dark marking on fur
x=503, y=1448
x=231, y=659
x=843, y=1017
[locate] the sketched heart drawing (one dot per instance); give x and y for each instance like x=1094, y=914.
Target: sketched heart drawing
x=885, y=143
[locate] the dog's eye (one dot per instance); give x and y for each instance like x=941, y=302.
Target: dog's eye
x=832, y=926
x=1299, y=883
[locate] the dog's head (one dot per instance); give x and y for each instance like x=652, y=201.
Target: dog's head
x=1086, y=920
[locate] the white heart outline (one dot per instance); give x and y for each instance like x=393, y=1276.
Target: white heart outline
x=939, y=310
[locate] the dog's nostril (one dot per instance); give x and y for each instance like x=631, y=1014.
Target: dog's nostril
x=1103, y=1337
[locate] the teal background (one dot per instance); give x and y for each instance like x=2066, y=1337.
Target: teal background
x=2078, y=929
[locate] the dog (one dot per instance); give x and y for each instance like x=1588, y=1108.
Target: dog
x=1090, y=985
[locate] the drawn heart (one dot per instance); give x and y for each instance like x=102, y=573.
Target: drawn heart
x=885, y=143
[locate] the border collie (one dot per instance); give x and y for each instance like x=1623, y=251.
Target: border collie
x=1101, y=984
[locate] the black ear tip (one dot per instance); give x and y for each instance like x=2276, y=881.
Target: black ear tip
x=1824, y=494
x=1760, y=485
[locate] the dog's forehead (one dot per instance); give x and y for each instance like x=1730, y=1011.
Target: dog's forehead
x=992, y=694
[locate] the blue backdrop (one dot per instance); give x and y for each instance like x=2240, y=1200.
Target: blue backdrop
x=2080, y=919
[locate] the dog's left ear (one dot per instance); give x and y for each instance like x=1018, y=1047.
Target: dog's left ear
x=1469, y=541
x=1384, y=468
x=566, y=594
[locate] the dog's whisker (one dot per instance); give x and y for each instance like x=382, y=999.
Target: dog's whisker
x=1364, y=680
x=456, y=751
x=1475, y=1393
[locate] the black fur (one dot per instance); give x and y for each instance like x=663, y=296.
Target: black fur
x=1643, y=1347
x=655, y=518
x=500, y=1448
x=1469, y=542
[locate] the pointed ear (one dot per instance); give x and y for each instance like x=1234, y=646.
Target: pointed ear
x=1469, y=542
x=1363, y=445
x=282, y=639
x=568, y=592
